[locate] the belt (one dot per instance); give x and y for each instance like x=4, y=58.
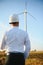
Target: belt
x=14, y=53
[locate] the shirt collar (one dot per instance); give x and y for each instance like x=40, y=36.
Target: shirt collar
x=16, y=27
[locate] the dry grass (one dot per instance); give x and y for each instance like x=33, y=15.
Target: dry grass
x=35, y=58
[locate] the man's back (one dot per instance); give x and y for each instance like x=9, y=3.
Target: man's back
x=15, y=40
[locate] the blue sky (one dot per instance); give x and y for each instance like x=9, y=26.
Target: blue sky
x=34, y=27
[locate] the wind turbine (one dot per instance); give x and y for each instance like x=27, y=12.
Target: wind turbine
x=25, y=15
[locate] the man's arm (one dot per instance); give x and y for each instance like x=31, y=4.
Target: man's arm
x=27, y=47
x=3, y=43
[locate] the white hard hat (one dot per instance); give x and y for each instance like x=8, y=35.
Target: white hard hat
x=13, y=18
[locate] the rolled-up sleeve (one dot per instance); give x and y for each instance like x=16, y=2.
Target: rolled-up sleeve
x=3, y=43
x=27, y=47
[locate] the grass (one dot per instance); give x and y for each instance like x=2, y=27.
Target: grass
x=35, y=58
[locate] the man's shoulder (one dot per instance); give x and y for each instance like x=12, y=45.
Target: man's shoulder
x=23, y=31
x=18, y=30
x=7, y=32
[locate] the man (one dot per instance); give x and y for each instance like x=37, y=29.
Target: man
x=14, y=41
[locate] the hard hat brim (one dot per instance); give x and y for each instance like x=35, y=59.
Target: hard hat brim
x=13, y=22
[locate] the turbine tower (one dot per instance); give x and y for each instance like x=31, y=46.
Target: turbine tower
x=25, y=16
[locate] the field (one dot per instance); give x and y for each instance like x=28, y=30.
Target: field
x=35, y=58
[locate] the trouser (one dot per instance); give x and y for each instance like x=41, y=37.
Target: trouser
x=15, y=59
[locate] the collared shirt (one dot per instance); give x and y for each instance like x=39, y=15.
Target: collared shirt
x=15, y=40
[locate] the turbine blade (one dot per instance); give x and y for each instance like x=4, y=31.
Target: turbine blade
x=31, y=15
x=20, y=13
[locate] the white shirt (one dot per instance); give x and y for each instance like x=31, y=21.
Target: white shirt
x=14, y=41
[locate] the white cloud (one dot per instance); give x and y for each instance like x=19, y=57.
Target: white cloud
x=2, y=25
